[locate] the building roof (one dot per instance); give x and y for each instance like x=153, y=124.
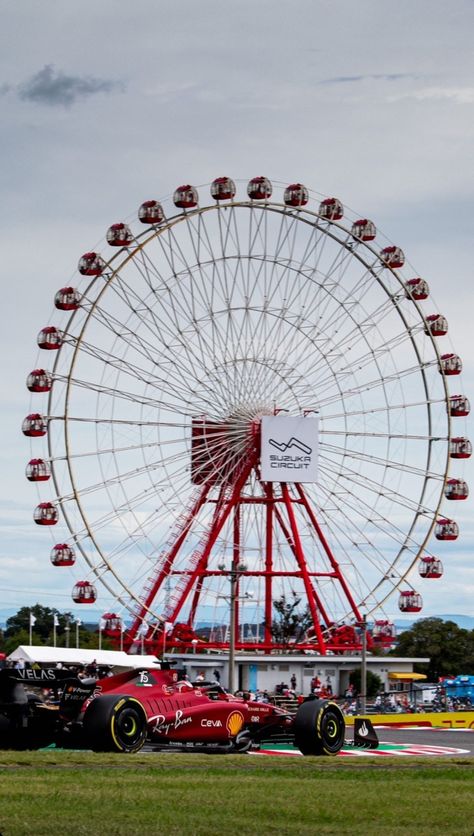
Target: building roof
x=406, y=676
x=76, y=656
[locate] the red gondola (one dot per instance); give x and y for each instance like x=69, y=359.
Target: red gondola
x=436, y=325
x=223, y=188
x=67, y=299
x=62, y=555
x=39, y=380
x=296, y=195
x=456, y=489
x=34, y=425
x=393, y=257
x=430, y=567
x=91, y=264
x=46, y=513
x=410, y=601
x=151, y=212
x=331, y=209
x=119, y=235
x=383, y=630
x=185, y=197
x=37, y=470
x=111, y=625
x=50, y=338
x=460, y=448
x=364, y=230
x=450, y=364
x=84, y=592
x=459, y=406
x=259, y=188
x=446, y=530
x=417, y=289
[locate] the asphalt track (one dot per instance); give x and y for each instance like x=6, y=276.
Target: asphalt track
x=421, y=736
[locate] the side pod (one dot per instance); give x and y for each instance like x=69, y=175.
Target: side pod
x=365, y=736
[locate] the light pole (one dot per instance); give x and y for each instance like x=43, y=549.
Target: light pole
x=67, y=630
x=363, y=667
x=234, y=574
x=78, y=624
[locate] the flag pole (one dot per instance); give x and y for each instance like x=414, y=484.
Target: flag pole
x=32, y=622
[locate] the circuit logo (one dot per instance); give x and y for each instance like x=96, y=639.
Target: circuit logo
x=293, y=442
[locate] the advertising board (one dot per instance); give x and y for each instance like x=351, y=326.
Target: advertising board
x=289, y=450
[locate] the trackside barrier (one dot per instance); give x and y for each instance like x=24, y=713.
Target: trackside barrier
x=437, y=720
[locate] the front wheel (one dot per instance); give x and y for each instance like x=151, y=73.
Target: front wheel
x=319, y=728
x=114, y=723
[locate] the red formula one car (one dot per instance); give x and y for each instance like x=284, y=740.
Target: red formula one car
x=121, y=713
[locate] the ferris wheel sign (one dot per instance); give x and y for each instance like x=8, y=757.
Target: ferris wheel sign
x=289, y=448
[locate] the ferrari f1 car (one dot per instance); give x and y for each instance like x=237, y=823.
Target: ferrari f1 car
x=123, y=712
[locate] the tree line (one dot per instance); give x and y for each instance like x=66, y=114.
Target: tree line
x=449, y=648
x=45, y=624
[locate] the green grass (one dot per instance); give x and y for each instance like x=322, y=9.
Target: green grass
x=82, y=793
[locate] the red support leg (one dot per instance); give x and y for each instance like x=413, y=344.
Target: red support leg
x=268, y=563
x=303, y=567
x=332, y=559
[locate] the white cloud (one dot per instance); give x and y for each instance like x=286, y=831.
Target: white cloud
x=458, y=95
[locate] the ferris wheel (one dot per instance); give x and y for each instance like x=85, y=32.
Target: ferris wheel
x=218, y=334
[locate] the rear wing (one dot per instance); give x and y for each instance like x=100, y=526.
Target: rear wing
x=34, y=677
x=15, y=683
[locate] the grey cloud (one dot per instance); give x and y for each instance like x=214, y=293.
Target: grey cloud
x=54, y=88
x=343, y=79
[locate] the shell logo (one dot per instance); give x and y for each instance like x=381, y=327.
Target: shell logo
x=235, y=721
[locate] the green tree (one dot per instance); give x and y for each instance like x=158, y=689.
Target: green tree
x=44, y=621
x=290, y=623
x=42, y=629
x=374, y=683
x=15, y=640
x=449, y=647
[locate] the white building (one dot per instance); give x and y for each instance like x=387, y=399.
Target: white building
x=260, y=672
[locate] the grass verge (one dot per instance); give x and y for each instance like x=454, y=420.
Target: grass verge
x=84, y=793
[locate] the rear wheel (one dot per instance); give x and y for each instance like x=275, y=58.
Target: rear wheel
x=319, y=728
x=114, y=723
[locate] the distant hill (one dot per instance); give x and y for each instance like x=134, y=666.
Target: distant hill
x=465, y=622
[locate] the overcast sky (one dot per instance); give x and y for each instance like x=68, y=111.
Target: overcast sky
x=106, y=103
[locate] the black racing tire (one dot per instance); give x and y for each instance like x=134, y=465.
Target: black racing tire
x=319, y=728
x=115, y=723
